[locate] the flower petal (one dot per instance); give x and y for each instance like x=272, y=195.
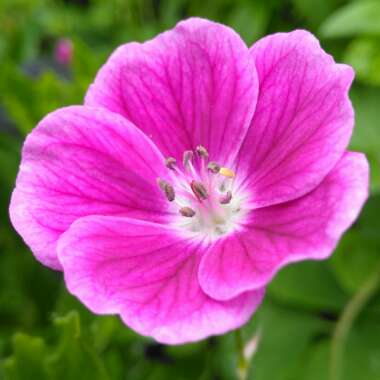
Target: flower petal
x=195, y=84
x=148, y=274
x=306, y=228
x=82, y=161
x=303, y=119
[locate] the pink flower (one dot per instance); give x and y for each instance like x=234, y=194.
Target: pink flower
x=63, y=53
x=196, y=169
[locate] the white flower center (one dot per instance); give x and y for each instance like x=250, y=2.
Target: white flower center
x=208, y=205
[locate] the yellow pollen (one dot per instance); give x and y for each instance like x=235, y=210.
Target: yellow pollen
x=227, y=172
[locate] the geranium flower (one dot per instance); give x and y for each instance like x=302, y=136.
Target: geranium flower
x=196, y=169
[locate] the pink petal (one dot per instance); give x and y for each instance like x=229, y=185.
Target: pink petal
x=195, y=84
x=306, y=228
x=82, y=161
x=148, y=274
x=303, y=119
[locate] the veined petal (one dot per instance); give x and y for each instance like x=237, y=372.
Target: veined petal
x=147, y=274
x=303, y=119
x=195, y=84
x=83, y=161
x=306, y=228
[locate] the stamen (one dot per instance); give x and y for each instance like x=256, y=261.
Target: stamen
x=202, y=151
x=199, y=190
x=188, y=156
x=225, y=198
x=188, y=212
x=170, y=162
x=167, y=189
x=227, y=172
x=213, y=167
x=203, y=194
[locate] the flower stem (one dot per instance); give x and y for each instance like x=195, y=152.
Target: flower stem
x=242, y=365
x=346, y=320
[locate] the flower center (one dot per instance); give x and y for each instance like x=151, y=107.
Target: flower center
x=204, y=193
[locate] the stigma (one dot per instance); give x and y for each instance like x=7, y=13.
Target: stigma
x=202, y=191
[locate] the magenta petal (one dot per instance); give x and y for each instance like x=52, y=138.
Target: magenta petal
x=195, y=84
x=148, y=274
x=306, y=228
x=82, y=161
x=303, y=119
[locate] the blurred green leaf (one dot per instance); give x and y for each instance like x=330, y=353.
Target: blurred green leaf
x=361, y=356
x=358, y=254
x=364, y=55
x=315, y=11
x=355, y=18
x=366, y=137
x=286, y=337
x=9, y=157
x=317, y=361
x=32, y=98
x=28, y=360
x=250, y=21
x=75, y=356
x=309, y=285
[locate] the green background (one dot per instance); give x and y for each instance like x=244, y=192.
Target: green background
x=320, y=320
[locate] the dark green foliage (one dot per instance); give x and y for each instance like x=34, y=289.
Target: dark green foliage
x=45, y=334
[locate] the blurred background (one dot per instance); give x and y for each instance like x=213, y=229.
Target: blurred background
x=320, y=320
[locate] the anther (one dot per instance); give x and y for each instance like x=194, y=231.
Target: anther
x=170, y=162
x=213, y=167
x=225, y=198
x=199, y=190
x=202, y=151
x=227, y=172
x=188, y=156
x=188, y=212
x=167, y=189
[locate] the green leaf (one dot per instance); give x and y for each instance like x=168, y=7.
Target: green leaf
x=364, y=55
x=361, y=360
x=366, y=137
x=75, y=357
x=286, y=337
x=314, y=11
x=317, y=362
x=28, y=360
x=9, y=159
x=358, y=254
x=310, y=285
x=250, y=21
x=355, y=18
x=362, y=354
